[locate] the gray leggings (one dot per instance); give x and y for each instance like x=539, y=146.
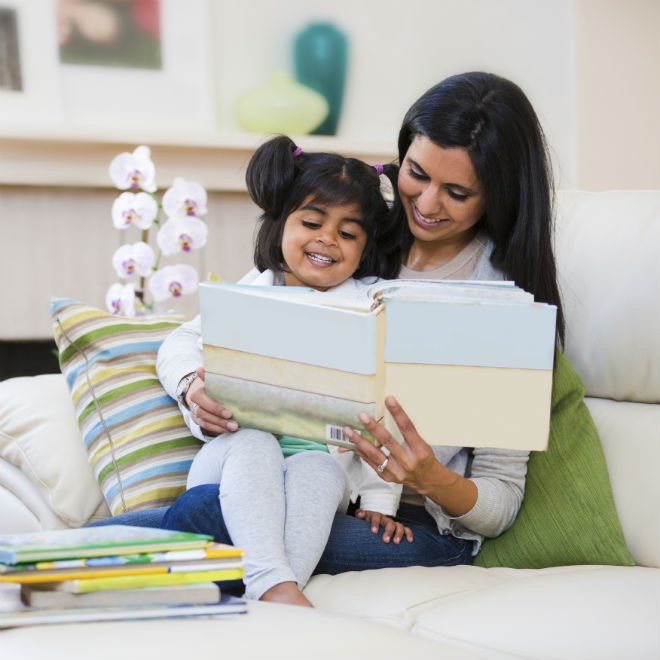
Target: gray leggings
x=279, y=511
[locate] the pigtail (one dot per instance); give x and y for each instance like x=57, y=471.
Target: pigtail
x=382, y=255
x=270, y=175
x=388, y=237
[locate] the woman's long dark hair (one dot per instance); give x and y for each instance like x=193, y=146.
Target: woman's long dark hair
x=493, y=120
x=280, y=177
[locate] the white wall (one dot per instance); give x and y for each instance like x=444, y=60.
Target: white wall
x=399, y=49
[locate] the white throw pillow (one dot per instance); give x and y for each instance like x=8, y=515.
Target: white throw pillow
x=40, y=436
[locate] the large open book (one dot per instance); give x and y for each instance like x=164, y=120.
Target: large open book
x=470, y=362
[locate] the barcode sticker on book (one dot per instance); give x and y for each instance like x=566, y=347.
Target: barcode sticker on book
x=335, y=434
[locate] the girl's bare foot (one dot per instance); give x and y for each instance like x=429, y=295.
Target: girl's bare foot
x=288, y=593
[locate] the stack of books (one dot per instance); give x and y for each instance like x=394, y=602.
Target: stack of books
x=116, y=572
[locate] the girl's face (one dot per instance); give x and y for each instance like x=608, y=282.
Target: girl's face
x=322, y=244
x=441, y=194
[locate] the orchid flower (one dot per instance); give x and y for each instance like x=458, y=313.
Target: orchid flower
x=173, y=282
x=133, y=171
x=138, y=209
x=184, y=199
x=120, y=299
x=134, y=209
x=136, y=259
x=179, y=235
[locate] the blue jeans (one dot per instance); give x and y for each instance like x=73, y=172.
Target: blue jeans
x=351, y=546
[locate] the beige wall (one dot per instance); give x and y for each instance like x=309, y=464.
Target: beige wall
x=591, y=68
x=617, y=63
x=399, y=49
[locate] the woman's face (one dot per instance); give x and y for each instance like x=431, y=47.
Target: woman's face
x=440, y=192
x=322, y=244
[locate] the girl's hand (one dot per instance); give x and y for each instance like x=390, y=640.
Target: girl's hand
x=392, y=530
x=211, y=415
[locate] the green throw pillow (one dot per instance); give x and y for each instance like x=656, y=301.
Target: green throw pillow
x=137, y=443
x=568, y=516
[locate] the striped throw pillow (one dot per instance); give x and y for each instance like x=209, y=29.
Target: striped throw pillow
x=137, y=444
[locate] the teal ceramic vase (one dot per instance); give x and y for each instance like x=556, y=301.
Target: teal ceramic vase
x=320, y=62
x=281, y=105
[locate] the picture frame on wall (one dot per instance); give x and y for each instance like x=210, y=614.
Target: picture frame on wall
x=29, y=86
x=163, y=83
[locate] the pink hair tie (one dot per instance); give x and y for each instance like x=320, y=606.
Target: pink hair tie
x=379, y=168
x=297, y=151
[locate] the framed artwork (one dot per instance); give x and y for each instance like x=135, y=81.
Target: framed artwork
x=110, y=33
x=29, y=89
x=136, y=63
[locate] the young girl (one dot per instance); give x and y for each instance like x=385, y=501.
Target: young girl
x=324, y=225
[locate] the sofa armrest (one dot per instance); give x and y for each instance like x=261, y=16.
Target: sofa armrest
x=22, y=504
x=39, y=437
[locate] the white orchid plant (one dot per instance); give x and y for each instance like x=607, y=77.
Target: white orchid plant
x=137, y=264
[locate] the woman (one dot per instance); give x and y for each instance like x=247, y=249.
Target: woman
x=474, y=201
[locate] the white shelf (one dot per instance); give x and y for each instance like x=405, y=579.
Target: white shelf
x=63, y=157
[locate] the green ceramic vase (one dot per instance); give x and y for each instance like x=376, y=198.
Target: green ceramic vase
x=320, y=62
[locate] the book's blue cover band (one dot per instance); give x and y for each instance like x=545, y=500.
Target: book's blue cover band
x=327, y=337
x=463, y=334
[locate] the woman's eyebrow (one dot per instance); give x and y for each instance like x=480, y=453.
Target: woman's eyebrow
x=416, y=164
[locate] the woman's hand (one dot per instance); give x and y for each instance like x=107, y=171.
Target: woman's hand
x=392, y=530
x=412, y=462
x=211, y=415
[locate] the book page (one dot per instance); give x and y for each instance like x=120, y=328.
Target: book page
x=469, y=291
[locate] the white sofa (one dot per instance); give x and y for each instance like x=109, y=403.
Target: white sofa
x=608, y=252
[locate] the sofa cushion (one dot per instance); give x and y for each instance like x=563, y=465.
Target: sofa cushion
x=396, y=596
x=581, y=613
x=608, y=266
x=568, y=515
x=630, y=436
x=39, y=436
x=136, y=441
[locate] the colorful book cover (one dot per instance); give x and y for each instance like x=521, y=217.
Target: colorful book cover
x=33, y=617
x=93, y=541
x=470, y=362
x=153, y=580
x=93, y=572
x=215, y=555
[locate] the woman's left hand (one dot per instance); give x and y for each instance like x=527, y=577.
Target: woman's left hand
x=411, y=462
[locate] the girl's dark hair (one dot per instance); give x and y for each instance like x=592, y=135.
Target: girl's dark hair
x=494, y=121
x=279, y=182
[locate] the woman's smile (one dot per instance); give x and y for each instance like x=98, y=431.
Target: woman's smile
x=424, y=222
